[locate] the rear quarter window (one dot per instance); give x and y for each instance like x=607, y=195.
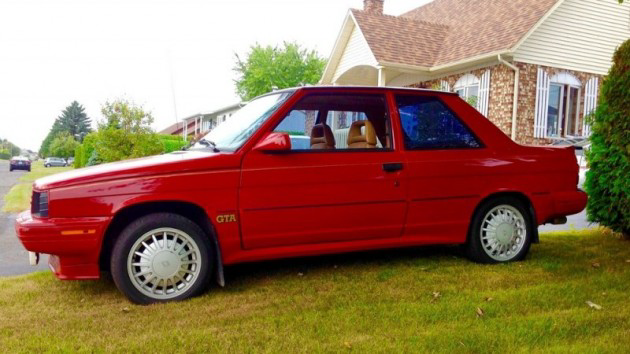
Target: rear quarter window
x=428, y=123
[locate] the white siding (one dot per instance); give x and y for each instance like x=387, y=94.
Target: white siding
x=579, y=35
x=357, y=52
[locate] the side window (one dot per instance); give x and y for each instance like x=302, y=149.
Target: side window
x=428, y=124
x=338, y=121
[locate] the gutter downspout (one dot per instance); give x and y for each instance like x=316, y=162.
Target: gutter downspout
x=515, y=104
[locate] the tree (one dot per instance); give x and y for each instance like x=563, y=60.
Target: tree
x=72, y=120
x=8, y=149
x=125, y=133
x=63, y=145
x=266, y=68
x=607, y=181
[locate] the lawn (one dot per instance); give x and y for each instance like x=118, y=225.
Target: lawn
x=423, y=299
x=19, y=197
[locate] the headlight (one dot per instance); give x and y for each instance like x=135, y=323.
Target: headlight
x=39, y=204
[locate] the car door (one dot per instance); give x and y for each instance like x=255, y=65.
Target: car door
x=347, y=191
x=446, y=165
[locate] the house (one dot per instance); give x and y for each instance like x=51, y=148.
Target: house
x=533, y=67
x=201, y=123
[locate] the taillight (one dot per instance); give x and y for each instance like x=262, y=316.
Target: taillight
x=39, y=204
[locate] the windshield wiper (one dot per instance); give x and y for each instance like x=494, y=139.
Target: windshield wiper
x=209, y=143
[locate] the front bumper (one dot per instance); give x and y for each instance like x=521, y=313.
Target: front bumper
x=73, y=243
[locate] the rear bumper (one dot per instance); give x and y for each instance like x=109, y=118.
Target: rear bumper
x=20, y=167
x=568, y=203
x=73, y=243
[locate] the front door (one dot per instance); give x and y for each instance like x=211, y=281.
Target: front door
x=340, y=182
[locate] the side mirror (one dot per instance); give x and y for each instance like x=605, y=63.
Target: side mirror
x=274, y=142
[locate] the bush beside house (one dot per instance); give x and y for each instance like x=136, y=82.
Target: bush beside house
x=608, y=180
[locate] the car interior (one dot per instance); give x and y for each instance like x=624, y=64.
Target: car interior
x=339, y=122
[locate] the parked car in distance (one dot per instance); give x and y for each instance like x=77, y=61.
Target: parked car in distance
x=383, y=168
x=55, y=162
x=19, y=163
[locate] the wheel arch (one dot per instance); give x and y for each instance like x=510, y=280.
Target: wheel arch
x=514, y=194
x=126, y=215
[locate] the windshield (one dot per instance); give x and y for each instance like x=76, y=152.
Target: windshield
x=233, y=133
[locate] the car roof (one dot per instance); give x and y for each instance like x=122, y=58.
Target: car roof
x=356, y=87
x=375, y=88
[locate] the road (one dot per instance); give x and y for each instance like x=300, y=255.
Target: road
x=13, y=257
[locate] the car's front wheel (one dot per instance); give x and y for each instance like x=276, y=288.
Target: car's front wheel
x=501, y=231
x=161, y=257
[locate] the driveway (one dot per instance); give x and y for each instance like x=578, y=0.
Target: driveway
x=13, y=257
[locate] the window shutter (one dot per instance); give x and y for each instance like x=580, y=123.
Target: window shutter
x=590, y=103
x=484, y=93
x=542, y=102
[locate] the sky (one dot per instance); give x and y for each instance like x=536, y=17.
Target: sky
x=174, y=57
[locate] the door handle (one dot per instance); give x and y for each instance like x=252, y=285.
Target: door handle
x=392, y=167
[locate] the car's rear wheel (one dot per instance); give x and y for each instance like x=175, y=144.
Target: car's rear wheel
x=501, y=231
x=161, y=257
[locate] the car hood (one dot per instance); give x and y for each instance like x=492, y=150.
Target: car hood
x=175, y=162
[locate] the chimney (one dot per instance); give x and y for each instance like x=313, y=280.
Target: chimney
x=373, y=6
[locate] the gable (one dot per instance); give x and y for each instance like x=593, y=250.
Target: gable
x=579, y=35
x=356, y=53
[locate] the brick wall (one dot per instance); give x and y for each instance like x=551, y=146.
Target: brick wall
x=501, y=97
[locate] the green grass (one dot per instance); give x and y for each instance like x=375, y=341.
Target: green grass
x=376, y=301
x=19, y=197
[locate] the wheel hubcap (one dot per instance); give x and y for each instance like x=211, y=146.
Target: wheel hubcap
x=163, y=263
x=503, y=232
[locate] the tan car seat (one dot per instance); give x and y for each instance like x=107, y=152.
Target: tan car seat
x=358, y=140
x=322, y=137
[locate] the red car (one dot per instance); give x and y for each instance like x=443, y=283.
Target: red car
x=19, y=163
x=303, y=172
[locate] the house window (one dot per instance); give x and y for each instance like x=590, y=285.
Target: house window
x=428, y=124
x=467, y=87
x=563, y=107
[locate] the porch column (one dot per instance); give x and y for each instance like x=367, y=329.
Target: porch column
x=382, y=80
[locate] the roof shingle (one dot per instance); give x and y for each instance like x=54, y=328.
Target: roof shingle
x=446, y=31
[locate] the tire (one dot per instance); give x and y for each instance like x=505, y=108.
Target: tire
x=166, y=274
x=509, y=236
x=46, y=165
x=10, y=169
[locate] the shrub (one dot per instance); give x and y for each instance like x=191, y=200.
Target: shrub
x=63, y=145
x=78, y=156
x=94, y=159
x=172, y=142
x=608, y=180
